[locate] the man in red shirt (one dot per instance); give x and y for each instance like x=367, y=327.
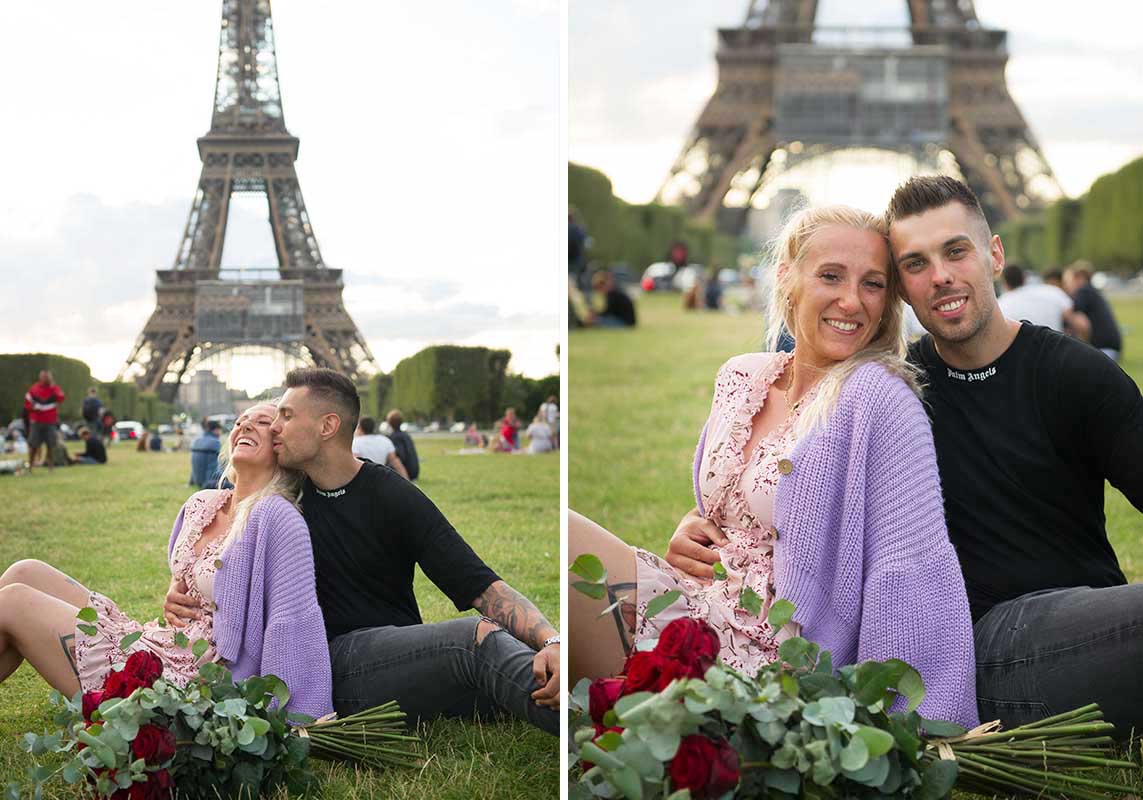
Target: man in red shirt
x=42, y=404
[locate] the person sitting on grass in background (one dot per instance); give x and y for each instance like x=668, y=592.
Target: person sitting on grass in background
x=1104, y=329
x=93, y=452
x=540, y=435
x=41, y=408
x=370, y=529
x=155, y=443
x=376, y=447
x=406, y=450
x=509, y=432
x=107, y=426
x=618, y=310
x=245, y=558
x=204, y=456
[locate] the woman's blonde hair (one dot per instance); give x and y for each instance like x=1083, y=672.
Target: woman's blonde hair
x=887, y=347
x=284, y=482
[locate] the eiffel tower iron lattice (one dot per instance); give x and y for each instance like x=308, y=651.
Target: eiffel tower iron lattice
x=790, y=89
x=298, y=309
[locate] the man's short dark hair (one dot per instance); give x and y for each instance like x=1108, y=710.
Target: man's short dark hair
x=213, y=425
x=332, y=388
x=923, y=193
x=394, y=419
x=1013, y=276
x=368, y=426
x=1051, y=275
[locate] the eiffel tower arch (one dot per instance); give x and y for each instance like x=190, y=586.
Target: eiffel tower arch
x=790, y=90
x=203, y=310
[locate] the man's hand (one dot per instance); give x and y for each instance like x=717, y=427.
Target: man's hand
x=179, y=608
x=690, y=551
x=546, y=668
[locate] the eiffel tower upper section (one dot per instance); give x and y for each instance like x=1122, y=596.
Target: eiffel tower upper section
x=298, y=307
x=790, y=89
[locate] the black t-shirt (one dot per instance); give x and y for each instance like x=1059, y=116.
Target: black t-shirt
x=1104, y=330
x=619, y=305
x=1024, y=445
x=407, y=452
x=368, y=535
x=93, y=448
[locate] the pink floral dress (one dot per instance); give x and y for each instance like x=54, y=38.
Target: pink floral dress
x=737, y=490
x=96, y=654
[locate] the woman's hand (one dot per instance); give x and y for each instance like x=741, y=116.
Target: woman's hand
x=690, y=548
x=179, y=608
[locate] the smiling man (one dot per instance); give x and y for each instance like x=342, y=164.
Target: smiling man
x=1028, y=425
x=370, y=527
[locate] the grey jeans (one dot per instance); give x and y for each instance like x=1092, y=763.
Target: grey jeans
x=438, y=670
x=1049, y=652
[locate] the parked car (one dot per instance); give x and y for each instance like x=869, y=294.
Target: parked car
x=128, y=430
x=458, y=427
x=687, y=277
x=432, y=427
x=657, y=277
x=68, y=432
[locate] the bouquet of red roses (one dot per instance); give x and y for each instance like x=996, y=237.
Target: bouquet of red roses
x=680, y=724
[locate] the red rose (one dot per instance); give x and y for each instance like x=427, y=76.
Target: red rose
x=120, y=683
x=602, y=695
x=691, y=641
x=642, y=672
x=159, y=784
x=144, y=666
x=670, y=670
x=709, y=768
x=153, y=744
x=91, y=701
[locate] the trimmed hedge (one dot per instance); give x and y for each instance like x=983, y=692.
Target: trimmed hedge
x=18, y=371
x=639, y=235
x=121, y=399
x=447, y=382
x=527, y=394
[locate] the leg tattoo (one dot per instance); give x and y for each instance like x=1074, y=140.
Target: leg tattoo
x=623, y=610
x=68, y=645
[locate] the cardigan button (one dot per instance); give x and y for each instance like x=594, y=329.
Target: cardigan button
x=218, y=563
x=785, y=466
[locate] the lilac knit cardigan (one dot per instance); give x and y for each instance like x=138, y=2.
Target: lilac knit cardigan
x=864, y=554
x=267, y=620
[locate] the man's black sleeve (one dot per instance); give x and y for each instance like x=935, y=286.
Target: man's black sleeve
x=1107, y=401
x=440, y=551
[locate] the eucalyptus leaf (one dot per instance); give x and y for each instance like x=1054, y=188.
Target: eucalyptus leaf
x=87, y=614
x=877, y=741
x=749, y=600
x=181, y=639
x=661, y=603
x=200, y=647
x=596, y=591
x=937, y=780
x=72, y=772
x=589, y=567
x=781, y=612
x=783, y=780
x=909, y=683
x=719, y=571
x=609, y=741
x=942, y=729
x=90, y=630
x=874, y=773
x=129, y=640
x=597, y=755
x=627, y=781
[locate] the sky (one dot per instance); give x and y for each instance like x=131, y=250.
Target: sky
x=641, y=71
x=429, y=163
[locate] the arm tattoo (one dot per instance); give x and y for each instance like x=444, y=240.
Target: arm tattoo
x=515, y=613
x=68, y=645
x=623, y=611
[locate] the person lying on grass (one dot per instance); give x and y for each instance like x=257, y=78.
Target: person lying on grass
x=243, y=554
x=818, y=470
x=370, y=527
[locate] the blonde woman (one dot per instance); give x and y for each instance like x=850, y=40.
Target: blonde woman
x=244, y=553
x=816, y=479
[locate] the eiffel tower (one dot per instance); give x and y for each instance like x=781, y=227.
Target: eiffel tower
x=203, y=310
x=790, y=90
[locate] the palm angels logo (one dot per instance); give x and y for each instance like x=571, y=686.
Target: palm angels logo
x=984, y=374
x=338, y=493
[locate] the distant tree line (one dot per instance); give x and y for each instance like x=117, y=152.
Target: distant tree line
x=18, y=371
x=1104, y=226
x=639, y=235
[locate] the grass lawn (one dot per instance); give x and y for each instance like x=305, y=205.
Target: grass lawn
x=109, y=526
x=639, y=398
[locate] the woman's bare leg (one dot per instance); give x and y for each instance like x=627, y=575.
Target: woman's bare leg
x=600, y=644
x=48, y=579
x=38, y=627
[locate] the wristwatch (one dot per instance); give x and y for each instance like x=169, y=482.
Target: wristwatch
x=551, y=640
